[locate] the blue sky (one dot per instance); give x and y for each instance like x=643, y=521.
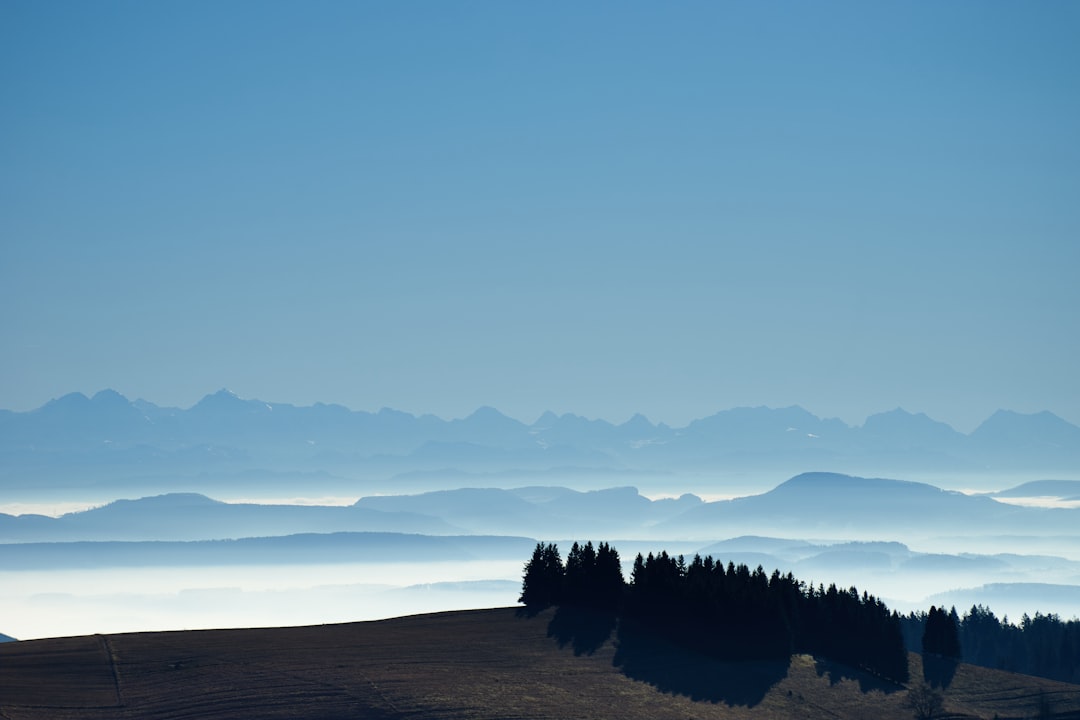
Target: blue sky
x=600, y=208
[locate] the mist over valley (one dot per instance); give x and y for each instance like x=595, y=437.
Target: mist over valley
x=431, y=514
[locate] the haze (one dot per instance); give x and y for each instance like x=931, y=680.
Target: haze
x=770, y=281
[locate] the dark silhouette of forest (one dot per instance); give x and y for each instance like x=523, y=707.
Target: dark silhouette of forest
x=731, y=613
x=727, y=613
x=1043, y=645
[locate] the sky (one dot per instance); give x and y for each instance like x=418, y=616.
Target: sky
x=600, y=208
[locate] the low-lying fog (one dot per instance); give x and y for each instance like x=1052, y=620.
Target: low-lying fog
x=38, y=603
x=182, y=561
x=48, y=603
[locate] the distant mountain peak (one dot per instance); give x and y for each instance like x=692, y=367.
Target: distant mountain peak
x=1003, y=415
x=74, y=399
x=829, y=481
x=108, y=395
x=1041, y=427
x=224, y=398
x=486, y=412
x=821, y=478
x=224, y=394
x=901, y=425
x=487, y=418
x=638, y=421
x=546, y=420
x=168, y=500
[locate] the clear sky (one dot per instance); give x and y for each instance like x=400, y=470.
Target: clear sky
x=599, y=208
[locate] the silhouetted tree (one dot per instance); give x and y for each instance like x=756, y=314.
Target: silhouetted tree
x=542, y=584
x=941, y=635
x=580, y=564
x=1043, y=645
x=609, y=587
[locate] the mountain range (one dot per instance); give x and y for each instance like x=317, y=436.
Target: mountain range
x=79, y=440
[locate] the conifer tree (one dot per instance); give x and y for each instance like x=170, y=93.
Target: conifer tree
x=941, y=636
x=610, y=585
x=542, y=584
x=576, y=577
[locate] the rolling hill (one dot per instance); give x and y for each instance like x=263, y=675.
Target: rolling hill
x=473, y=664
x=843, y=506
x=191, y=516
x=539, y=511
x=1062, y=489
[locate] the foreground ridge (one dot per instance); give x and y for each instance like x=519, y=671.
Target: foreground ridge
x=471, y=664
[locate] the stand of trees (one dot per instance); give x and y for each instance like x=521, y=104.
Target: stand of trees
x=542, y=585
x=734, y=613
x=727, y=612
x=1044, y=645
x=592, y=578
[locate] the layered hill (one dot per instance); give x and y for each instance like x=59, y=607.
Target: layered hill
x=474, y=664
x=191, y=516
x=823, y=505
x=538, y=511
x=843, y=506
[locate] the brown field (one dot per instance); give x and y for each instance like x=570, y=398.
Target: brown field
x=476, y=664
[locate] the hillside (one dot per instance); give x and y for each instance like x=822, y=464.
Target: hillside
x=474, y=664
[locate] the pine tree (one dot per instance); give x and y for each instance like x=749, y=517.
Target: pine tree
x=576, y=576
x=941, y=636
x=610, y=585
x=542, y=583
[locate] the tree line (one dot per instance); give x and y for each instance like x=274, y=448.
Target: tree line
x=1043, y=645
x=732, y=612
x=728, y=612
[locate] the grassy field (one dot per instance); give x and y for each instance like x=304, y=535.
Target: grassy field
x=475, y=664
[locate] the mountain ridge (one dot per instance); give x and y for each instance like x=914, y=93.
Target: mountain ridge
x=109, y=439
x=225, y=398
